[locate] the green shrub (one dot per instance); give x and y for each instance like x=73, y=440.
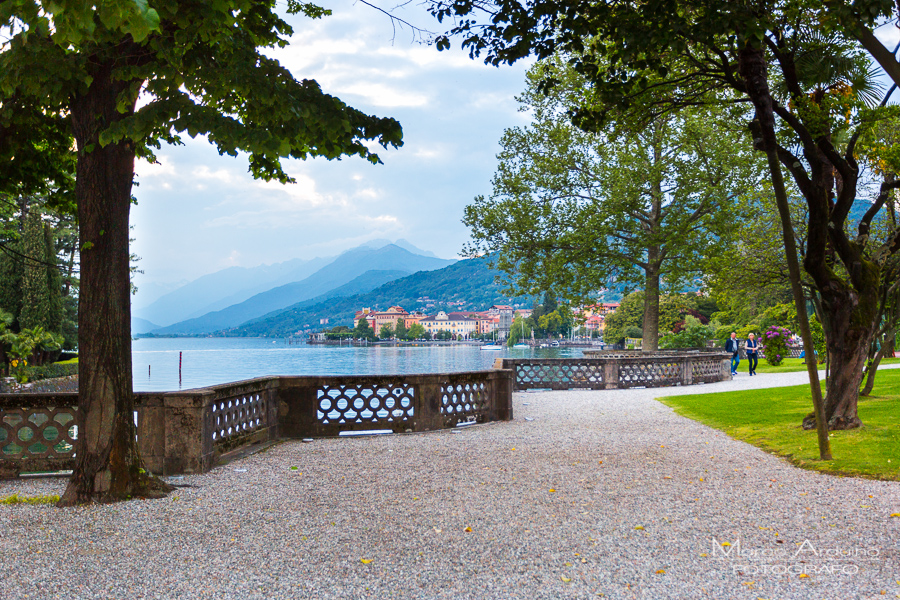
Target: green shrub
x=694, y=335
x=774, y=343
x=53, y=370
x=633, y=331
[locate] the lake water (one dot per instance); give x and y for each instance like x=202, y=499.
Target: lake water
x=212, y=361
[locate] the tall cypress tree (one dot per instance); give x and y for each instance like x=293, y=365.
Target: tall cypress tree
x=35, y=310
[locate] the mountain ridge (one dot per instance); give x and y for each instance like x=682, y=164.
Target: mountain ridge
x=472, y=278
x=340, y=271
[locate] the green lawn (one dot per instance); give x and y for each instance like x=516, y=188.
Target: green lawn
x=770, y=419
x=791, y=365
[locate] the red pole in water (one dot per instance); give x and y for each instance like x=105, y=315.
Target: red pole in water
x=179, y=368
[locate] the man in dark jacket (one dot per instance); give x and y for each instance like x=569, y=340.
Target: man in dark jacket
x=732, y=346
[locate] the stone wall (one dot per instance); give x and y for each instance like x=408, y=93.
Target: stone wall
x=193, y=430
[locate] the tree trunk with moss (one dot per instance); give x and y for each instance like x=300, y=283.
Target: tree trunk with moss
x=108, y=465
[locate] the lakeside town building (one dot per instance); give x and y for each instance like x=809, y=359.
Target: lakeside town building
x=496, y=320
x=378, y=319
x=458, y=324
x=595, y=315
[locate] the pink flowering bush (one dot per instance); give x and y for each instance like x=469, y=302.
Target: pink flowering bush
x=774, y=343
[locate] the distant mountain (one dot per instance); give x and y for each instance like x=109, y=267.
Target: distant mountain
x=471, y=282
x=142, y=325
x=150, y=291
x=226, y=287
x=366, y=282
x=344, y=269
x=401, y=243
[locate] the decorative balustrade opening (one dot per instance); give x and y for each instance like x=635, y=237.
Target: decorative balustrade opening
x=365, y=403
x=193, y=430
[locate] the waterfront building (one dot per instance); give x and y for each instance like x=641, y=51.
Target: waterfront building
x=413, y=318
x=504, y=314
x=595, y=315
x=378, y=319
x=458, y=324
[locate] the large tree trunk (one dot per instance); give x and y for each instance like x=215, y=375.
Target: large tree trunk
x=650, y=343
x=108, y=466
x=851, y=324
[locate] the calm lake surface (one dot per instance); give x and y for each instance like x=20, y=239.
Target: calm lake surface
x=212, y=361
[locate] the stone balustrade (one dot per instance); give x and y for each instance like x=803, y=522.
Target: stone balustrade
x=192, y=431
x=618, y=370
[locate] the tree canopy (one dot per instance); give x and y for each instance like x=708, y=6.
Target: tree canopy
x=631, y=203
x=121, y=78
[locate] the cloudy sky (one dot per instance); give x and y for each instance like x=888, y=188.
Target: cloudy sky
x=199, y=212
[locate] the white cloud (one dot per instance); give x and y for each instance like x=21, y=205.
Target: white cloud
x=163, y=168
x=382, y=220
x=385, y=96
x=220, y=175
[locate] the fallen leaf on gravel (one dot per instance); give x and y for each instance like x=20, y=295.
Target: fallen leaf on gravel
x=294, y=468
x=568, y=564
x=667, y=477
x=704, y=555
x=468, y=530
x=436, y=530
x=749, y=583
x=804, y=576
x=366, y=561
x=564, y=578
x=640, y=527
x=895, y=514
x=552, y=490
x=660, y=571
x=701, y=479
x=725, y=544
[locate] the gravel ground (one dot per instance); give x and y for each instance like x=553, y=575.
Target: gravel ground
x=585, y=494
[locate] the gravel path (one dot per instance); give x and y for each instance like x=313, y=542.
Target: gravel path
x=586, y=494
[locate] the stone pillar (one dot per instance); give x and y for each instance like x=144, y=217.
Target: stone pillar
x=501, y=388
x=189, y=429
x=428, y=400
x=297, y=406
x=687, y=370
x=611, y=374
x=175, y=432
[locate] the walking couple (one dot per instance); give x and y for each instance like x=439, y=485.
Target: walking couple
x=752, y=346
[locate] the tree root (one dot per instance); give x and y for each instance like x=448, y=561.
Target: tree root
x=145, y=486
x=834, y=423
